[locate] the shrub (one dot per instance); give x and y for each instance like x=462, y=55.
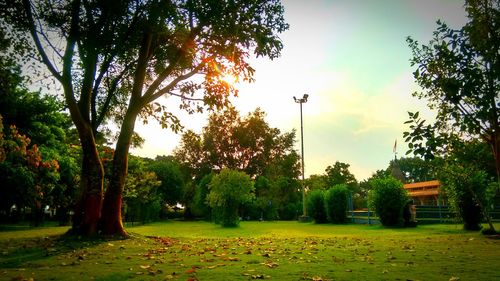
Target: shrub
x=336, y=200
x=388, y=198
x=316, y=206
x=290, y=211
x=200, y=207
x=464, y=187
x=228, y=191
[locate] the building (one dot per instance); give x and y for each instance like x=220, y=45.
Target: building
x=425, y=193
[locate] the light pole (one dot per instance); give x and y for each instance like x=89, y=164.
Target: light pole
x=304, y=216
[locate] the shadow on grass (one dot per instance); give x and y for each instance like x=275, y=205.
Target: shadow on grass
x=18, y=252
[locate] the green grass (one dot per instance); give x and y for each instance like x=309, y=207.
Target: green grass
x=255, y=250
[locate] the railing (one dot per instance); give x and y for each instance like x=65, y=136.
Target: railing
x=425, y=215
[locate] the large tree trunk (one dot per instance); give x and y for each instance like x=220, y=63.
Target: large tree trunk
x=89, y=204
x=111, y=219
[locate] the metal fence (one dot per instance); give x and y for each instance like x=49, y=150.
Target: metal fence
x=425, y=215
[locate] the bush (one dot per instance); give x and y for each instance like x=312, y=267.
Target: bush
x=388, y=198
x=200, y=206
x=336, y=200
x=464, y=187
x=316, y=206
x=228, y=191
x=291, y=211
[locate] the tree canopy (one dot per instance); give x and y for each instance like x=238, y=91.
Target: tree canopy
x=113, y=60
x=459, y=72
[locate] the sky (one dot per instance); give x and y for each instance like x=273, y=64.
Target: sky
x=352, y=59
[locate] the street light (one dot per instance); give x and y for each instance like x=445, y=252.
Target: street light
x=304, y=216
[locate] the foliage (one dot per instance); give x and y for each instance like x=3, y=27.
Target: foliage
x=34, y=127
x=190, y=154
x=466, y=191
x=388, y=198
x=26, y=178
x=263, y=203
x=415, y=169
x=64, y=193
x=168, y=171
x=365, y=186
x=200, y=207
x=336, y=200
x=114, y=61
x=286, y=196
x=249, y=144
x=459, y=74
x=316, y=206
x=228, y=190
x=339, y=174
x=142, y=201
x=314, y=182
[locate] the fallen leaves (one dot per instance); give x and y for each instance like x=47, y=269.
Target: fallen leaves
x=270, y=264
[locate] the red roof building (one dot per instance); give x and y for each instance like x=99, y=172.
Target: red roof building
x=425, y=193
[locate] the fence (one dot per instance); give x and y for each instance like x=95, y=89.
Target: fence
x=425, y=215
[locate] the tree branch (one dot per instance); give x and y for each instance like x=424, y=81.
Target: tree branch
x=99, y=118
x=171, y=85
x=38, y=44
x=165, y=73
x=142, y=63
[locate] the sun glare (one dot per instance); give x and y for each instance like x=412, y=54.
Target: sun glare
x=230, y=79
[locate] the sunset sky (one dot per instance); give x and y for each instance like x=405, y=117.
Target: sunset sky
x=352, y=59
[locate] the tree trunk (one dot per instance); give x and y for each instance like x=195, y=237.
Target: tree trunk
x=495, y=146
x=88, y=206
x=111, y=219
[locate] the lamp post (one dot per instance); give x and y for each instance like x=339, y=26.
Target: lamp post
x=304, y=216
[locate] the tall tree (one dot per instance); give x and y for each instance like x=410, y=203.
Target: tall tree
x=246, y=143
x=117, y=58
x=415, y=169
x=168, y=172
x=459, y=72
x=339, y=174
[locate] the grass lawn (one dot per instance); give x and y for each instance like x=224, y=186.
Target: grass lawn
x=255, y=250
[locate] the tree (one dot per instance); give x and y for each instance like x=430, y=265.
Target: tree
x=465, y=189
x=199, y=204
x=336, y=200
x=167, y=170
x=317, y=182
x=142, y=199
x=191, y=156
x=117, y=59
x=316, y=205
x=245, y=143
x=388, y=198
x=26, y=178
x=459, y=73
x=228, y=191
x=415, y=169
x=264, y=204
x=248, y=144
x=339, y=174
x=34, y=128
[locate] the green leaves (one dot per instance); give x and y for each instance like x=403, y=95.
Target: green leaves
x=459, y=74
x=336, y=199
x=228, y=190
x=387, y=198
